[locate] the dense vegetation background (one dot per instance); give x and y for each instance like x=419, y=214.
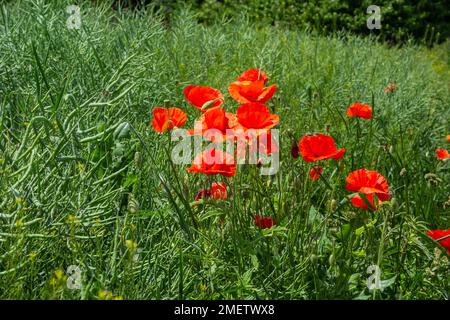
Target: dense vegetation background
x=424, y=20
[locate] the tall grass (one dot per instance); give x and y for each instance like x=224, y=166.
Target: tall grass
x=81, y=171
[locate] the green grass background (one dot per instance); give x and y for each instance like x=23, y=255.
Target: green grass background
x=75, y=184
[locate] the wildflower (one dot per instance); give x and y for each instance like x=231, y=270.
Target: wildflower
x=131, y=245
x=369, y=183
x=214, y=124
x=249, y=87
x=218, y=190
x=255, y=115
x=448, y=138
x=58, y=279
x=253, y=75
x=264, y=222
x=442, y=154
x=441, y=234
x=390, y=87
x=256, y=141
x=203, y=97
x=167, y=118
x=360, y=110
x=315, y=173
x=214, y=161
x=107, y=295
x=319, y=147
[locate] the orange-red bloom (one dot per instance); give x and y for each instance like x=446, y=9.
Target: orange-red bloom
x=315, y=173
x=253, y=75
x=368, y=183
x=215, y=118
x=442, y=154
x=438, y=234
x=360, y=110
x=448, y=138
x=250, y=87
x=254, y=115
x=217, y=191
x=167, y=118
x=264, y=222
x=319, y=147
x=202, y=97
x=214, y=161
x=390, y=87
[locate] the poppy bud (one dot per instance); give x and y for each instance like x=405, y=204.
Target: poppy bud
x=332, y=259
x=294, y=150
x=333, y=205
x=133, y=204
x=138, y=159
x=394, y=203
x=259, y=164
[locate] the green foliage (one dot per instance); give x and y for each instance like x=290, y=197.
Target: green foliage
x=427, y=21
x=84, y=181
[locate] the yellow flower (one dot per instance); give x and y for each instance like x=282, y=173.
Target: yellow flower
x=107, y=295
x=71, y=219
x=131, y=245
x=58, y=279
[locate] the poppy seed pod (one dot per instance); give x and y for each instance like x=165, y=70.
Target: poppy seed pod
x=138, y=159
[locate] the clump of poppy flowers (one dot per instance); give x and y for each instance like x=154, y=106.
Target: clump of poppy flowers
x=250, y=125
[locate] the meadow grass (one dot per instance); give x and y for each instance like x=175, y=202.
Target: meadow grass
x=85, y=181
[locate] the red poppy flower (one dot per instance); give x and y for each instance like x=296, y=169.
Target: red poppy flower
x=214, y=161
x=368, y=183
x=254, y=115
x=266, y=143
x=359, y=202
x=167, y=118
x=253, y=75
x=390, y=87
x=203, y=194
x=256, y=140
x=217, y=191
x=215, y=118
x=319, y=147
x=251, y=91
x=438, y=234
x=360, y=110
x=315, y=173
x=442, y=154
x=202, y=97
x=264, y=222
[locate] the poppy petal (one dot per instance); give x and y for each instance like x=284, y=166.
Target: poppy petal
x=198, y=96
